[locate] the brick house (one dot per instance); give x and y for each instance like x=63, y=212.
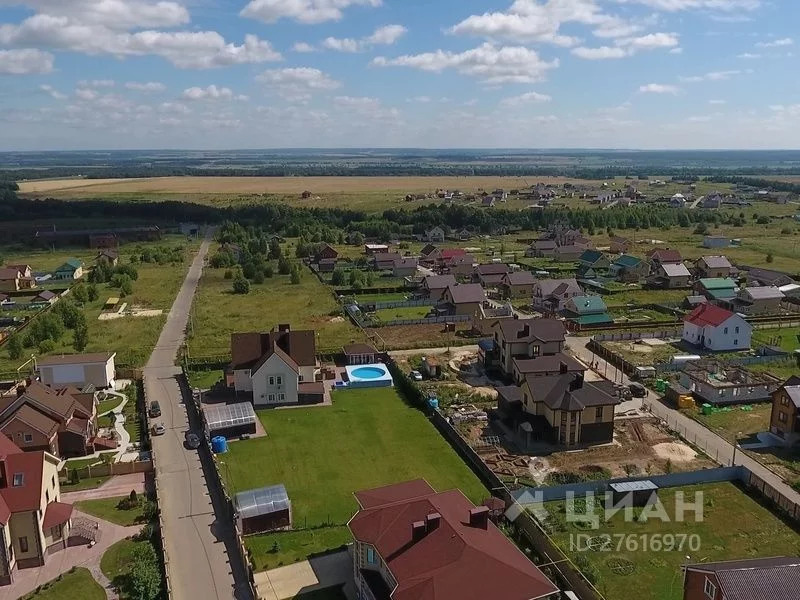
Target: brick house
x=412, y=543
x=518, y=284
x=785, y=417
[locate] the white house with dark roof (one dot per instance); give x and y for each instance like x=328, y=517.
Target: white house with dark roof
x=79, y=370
x=553, y=294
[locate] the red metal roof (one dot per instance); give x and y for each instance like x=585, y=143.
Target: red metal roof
x=708, y=314
x=57, y=513
x=452, y=560
x=28, y=495
x=452, y=252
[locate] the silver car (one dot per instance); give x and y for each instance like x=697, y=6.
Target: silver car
x=159, y=429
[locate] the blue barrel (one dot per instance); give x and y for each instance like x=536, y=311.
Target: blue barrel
x=219, y=445
x=433, y=403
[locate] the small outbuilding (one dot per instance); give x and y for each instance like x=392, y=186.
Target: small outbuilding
x=229, y=420
x=639, y=493
x=359, y=354
x=263, y=509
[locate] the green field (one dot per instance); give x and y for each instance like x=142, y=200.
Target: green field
x=75, y=584
x=368, y=438
x=736, y=423
x=403, y=312
x=734, y=526
x=108, y=509
x=217, y=312
x=787, y=338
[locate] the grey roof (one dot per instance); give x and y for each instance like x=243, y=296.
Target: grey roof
x=675, y=270
x=439, y=282
x=527, y=330
x=493, y=269
x=466, y=293
x=262, y=501
x=768, y=277
x=633, y=486
x=561, y=392
x=766, y=292
x=550, y=286
x=519, y=278
x=792, y=387
x=759, y=578
x=548, y=364
x=223, y=416
x=716, y=262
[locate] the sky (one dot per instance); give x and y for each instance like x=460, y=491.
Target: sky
x=227, y=74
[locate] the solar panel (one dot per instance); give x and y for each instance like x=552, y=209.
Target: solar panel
x=262, y=501
x=223, y=416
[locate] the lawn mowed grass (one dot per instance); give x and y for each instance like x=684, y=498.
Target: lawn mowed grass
x=217, y=312
x=734, y=526
x=86, y=483
x=735, y=423
x=787, y=338
x=293, y=546
x=108, y=509
x=72, y=585
x=204, y=379
x=109, y=404
x=368, y=438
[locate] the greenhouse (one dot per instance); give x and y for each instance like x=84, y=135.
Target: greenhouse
x=230, y=420
x=263, y=509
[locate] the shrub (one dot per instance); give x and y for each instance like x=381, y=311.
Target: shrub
x=228, y=274
x=241, y=285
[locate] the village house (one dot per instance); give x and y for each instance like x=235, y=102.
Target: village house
x=275, y=368
x=663, y=256
x=677, y=201
x=327, y=265
x=460, y=266
x=749, y=579
x=713, y=328
x=14, y=278
x=435, y=235
x=443, y=256
x=411, y=542
x=713, y=266
x=405, y=267
x=586, y=310
x=619, y=245
x=434, y=286
x=464, y=298
x=541, y=249
x=671, y=276
x=488, y=201
x=714, y=382
x=383, y=261
x=518, y=284
x=628, y=269
x=592, y=263
x=568, y=253
x=61, y=421
x=359, y=354
x=525, y=339
x=561, y=410
x=545, y=366
x=428, y=254
x=78, y=370
x=71, y=269
x=490, y=275
x=716, y=288
x=371, y=249
x=711, y=201
x=34, y=523
x=45, y=297
x=759, y=276
x=759, y=300
x=785, y=416
x=551, y=295
x=326, y=251
x=108, y=255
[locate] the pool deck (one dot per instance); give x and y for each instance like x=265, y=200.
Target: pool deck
x=384, y=380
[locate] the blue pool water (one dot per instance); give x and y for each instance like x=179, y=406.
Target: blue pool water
x=369, y=372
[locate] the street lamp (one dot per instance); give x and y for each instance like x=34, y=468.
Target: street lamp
x=735, y=446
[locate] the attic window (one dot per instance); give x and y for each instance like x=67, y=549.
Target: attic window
x=19, y=478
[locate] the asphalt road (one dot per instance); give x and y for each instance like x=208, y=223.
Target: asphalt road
x=198, y=544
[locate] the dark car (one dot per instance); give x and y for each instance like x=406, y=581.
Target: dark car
x=638, y=390
x=155, y=409
x=192, y=440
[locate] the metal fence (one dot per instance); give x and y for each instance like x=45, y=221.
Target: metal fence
x=637, y=335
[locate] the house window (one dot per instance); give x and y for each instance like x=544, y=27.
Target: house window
x=737, y=330
x=272, y=381
x=782, y=416
x=710, y=589
x=598, y=412
x=28, y=438
x=726, y=331
x=736, y=342
x=23, y=544
x=371, y=558
x=536, y=350
x=281, y=397
x=53, y=481
x=272, y=397
x=55, y=532
x=47, y=497
x=785, y=400
x=279, y=380
x=19, y=479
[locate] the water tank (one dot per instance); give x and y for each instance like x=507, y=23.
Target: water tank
x=433, y=403
x=219, y=445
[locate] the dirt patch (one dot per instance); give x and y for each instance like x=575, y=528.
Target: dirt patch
x=336, y=320
x=675, y=452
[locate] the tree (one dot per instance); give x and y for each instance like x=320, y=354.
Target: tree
x=92, y=292
x=258, y=276
x=338, y=277
x=357, y=238
x=126, y=288
x=15, y=348
x=46, y=346
x=701, y=229
x=241, y=285
x=269, y=272
x=80, y=293
x=81, y=338
x=145, y=573
x=284, y=266
x=770, y=258
x=275, y=251
x=295, y=276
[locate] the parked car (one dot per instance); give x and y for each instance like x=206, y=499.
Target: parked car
x=416, y=375
x=192, y=440
x=159, y=429
x=638, y=390
x=155, y=409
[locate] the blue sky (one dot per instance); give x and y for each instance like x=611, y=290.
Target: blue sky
x=115, y=74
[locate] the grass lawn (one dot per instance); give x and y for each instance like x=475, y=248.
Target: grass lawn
x=79, y=463
x=735, y=422
x=204, y=379
x=86, y=483
x=77, y=584
x=404, y=312
x=332, y=593
x=293, y=546
x=788, y=338
x=132, y=422
x=734, y=526
x=106, y=508
x=668, y=297
x=117, y=561
x=388, y=297
x=368, y=438
x=217, y=312
x=106, y=405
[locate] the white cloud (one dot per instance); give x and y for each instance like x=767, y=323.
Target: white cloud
x=386, y=35
x=748, y=55
x=148, y=86
x=86, y=94
x=420, y=99
x=357, y=101
x=525, y=98
x=26, y=61
x=628, y=46
x=174, y=108
x=303, y=47
x=302, y=11
x=712, y=76
x=718, y=102
x=492, y=64
x=212, y=92
x=776, y=43
x=297, y=83
x=678, y=5
x=97, y=83
x=658, y=88
x=114, y=14
x=678, y=50
x=600, y=53
x=52, y=92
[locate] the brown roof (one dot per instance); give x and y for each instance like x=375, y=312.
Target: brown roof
x=36, y=420
x=28, y=495
x=452, y=560
x=57, y=402
x=6, y=274
x=351, y=349
x=665, y=255
x=79, y=426
x=493, y=269
x=75, y=359
x=7, y=447
x=569, y=392
x=548, y=364
x=758, y=578
x=438, y=282
x=528, y=330
x=251, y=350
x=57, y=513
x=46, y=295
x=519, y=278
x=467, y=293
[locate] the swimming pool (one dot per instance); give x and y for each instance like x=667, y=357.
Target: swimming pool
x=376, y=375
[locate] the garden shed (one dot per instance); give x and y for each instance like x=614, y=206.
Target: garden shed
x=640, y=493
x=263, y=509
x=230, y=420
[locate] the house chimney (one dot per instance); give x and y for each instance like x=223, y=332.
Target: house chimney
x=526, y=331
x=432, y=521
x=284, y=327
x=479, y=517
x=562, y=367
x=417, y=531
x=576, y=383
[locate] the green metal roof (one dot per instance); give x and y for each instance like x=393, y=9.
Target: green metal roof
x=626, y=260
x=70, y=265
x=591, y=256
x=593, y=319
x=717, y=283
x=585, y=305
x=722, y=294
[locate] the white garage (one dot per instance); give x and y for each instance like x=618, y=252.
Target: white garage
x=78, y=370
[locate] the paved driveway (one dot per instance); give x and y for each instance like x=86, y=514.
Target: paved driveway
x=315, y=574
